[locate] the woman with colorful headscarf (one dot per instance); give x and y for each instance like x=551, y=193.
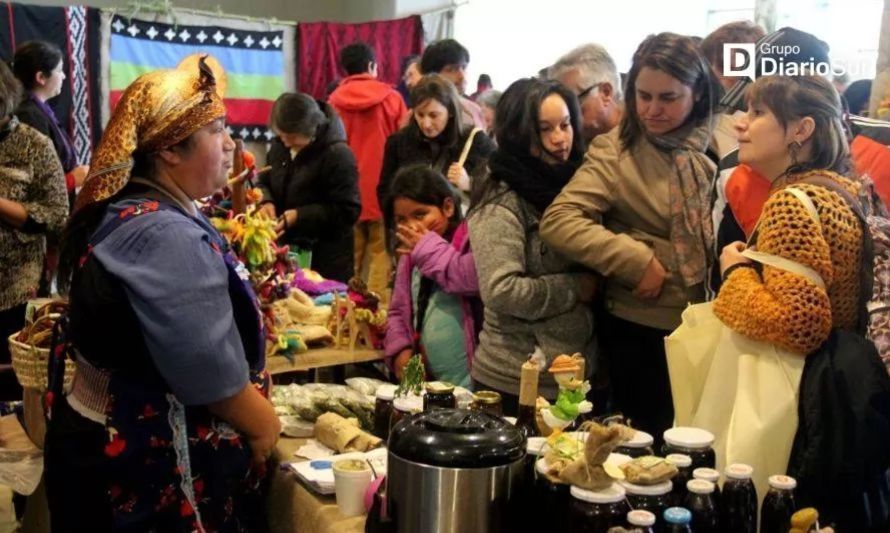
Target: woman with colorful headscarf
x=166, y=427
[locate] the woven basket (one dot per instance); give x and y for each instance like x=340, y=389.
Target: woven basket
x=30, y=363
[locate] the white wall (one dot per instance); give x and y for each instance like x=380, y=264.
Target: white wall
x=413, y=7
x=508, y=40
x=292, y=10
x=852, y=29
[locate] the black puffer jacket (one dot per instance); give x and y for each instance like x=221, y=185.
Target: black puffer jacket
x=321, y=183
x=409, y=146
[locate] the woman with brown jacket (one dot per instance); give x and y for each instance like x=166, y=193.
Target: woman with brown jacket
x=636, y=212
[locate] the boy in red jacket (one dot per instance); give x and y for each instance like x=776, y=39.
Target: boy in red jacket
x=371, y=111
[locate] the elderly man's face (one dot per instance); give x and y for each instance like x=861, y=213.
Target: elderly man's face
x=593, y=112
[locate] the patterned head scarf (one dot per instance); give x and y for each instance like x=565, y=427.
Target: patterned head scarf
x=156, y=111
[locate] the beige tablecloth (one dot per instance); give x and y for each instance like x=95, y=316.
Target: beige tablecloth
x=293, y=508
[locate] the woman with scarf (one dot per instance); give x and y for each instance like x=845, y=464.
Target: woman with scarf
x=533, y=297
x=167, y=426
x=637, y=213
x=39, y=66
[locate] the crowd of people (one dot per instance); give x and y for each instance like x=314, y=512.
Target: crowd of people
x=571, y=213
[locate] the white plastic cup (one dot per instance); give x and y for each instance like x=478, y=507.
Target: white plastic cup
x=351, y=479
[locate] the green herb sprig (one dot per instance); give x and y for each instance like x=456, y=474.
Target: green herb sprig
x=412, y=378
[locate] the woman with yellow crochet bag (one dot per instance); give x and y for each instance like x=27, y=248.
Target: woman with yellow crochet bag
x=736, y=364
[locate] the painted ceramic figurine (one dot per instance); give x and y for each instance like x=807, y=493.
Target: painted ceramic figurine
x=571, y=399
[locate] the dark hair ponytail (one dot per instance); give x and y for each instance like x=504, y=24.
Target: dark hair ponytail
x=32, y=57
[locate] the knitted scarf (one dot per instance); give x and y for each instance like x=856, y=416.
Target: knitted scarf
x=692, y=231
x=535, y=181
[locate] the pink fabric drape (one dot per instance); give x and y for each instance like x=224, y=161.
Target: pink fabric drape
x=319, y=44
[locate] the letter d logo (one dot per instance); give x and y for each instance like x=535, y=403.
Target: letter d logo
x=738, y=60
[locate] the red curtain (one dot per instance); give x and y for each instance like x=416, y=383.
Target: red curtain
x=319, y=43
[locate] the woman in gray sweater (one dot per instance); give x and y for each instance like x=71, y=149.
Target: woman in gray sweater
x=534, y=298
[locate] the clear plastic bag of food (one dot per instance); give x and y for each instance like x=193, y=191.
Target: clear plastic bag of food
x=366, y=386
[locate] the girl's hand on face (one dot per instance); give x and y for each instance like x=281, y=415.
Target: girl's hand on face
x=409, y=235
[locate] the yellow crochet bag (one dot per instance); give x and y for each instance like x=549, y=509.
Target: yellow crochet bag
x=743, y=391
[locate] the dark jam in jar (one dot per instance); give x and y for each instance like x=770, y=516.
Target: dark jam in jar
x=639, y=446
x=709, y=474
x=739, y=500
x=403, y=406
x=528, y=489
x=552, y=497
x=383, y=410
x=778, y=505
x=488, y=401
x=694, y=442
x=701, y=503
x=597, y=511
x=439, y=395
x=677, y=520
x=684, y=474
x=652, y=498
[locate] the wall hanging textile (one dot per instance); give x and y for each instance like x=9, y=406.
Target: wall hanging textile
x=258, y=59
x=319, y=45
x=75, y=30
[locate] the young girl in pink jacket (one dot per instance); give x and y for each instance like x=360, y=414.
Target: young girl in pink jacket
x=435, y=296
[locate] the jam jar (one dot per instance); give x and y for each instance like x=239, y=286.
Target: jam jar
x=383, y=409
x=709, y=474
x=701, y=503
x=404, y=406
x=554, y=497
x=489, y=401
x=694, y=442
x=677, y=520
x=778, y=505
x=739, y=500
x=638, y=446
x=652, y=498
x=641, y=520
x=684, y=474
x=597, y=511
x=439, y=395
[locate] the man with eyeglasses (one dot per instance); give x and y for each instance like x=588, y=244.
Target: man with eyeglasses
x=590, y=72
x=449, y=59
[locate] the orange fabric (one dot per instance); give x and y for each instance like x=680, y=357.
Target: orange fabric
x=746, y=192
x=371, y=111
x=873, y=158
x=787, y=309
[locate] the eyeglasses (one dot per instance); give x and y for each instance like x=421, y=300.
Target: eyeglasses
x=586, y=91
